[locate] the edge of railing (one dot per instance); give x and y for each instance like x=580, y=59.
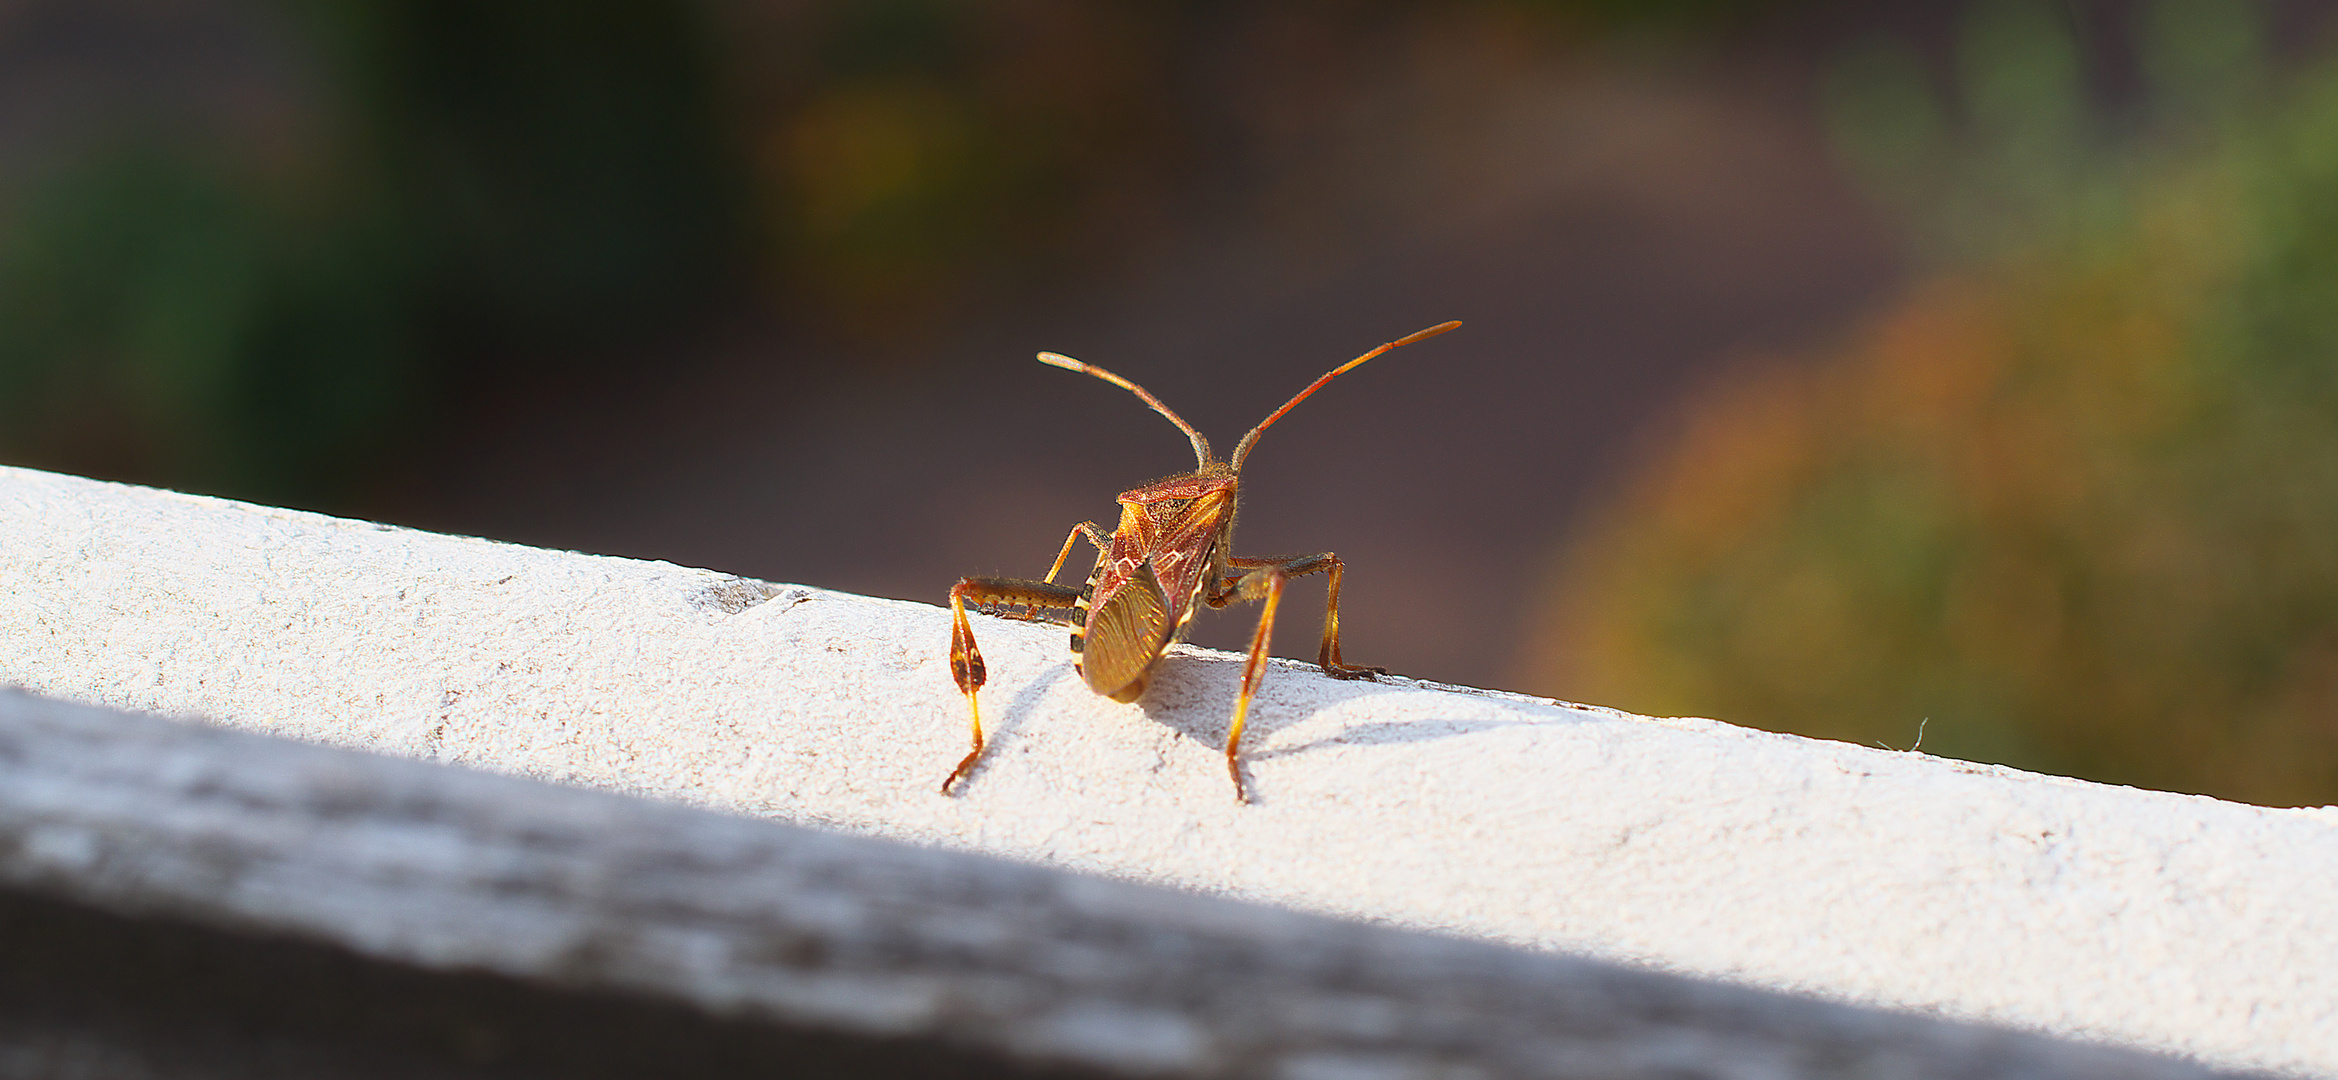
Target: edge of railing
x=1738, y=862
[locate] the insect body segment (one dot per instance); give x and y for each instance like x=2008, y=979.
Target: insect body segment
x=1168, y=554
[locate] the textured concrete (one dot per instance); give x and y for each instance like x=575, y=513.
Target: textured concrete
x=812, y=954
x=2158, y=921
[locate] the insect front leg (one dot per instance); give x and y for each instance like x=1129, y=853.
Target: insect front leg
x=1019, y=599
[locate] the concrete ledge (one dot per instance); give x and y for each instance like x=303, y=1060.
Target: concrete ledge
x=851, y=957
x=2163, y=922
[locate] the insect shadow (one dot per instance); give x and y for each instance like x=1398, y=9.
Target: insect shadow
x=1192, y=703
x=1027, y=700
x=1205, y=681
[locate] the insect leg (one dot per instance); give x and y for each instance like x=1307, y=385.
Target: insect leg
x=1244, y=586
x=1086, y=528
x=1020, y=600
x=1252, y=668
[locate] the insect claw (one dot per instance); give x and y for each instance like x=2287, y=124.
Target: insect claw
x=966, y=764
x=959, y=773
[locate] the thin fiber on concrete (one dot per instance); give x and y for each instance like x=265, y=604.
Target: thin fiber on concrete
x=2158, y=921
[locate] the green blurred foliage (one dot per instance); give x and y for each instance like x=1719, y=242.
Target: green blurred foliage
x=561, y=167
x=491, y=189
x=169, y=319
x=2019, y=150
x=2073, y=504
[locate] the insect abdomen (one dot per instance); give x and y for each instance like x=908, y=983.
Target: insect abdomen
x=1125, y=635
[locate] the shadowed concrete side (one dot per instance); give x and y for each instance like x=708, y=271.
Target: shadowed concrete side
x=186, y=900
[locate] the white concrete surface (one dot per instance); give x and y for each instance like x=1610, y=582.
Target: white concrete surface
x=2158, y=921
x=894, y=960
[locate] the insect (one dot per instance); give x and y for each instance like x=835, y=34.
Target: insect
x=1172, y=550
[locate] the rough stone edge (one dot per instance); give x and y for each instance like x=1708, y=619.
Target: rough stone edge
x=445, y=869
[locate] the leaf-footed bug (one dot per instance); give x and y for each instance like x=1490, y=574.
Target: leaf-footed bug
x=1171, y=550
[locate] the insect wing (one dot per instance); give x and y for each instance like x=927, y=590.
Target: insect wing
x=1182, y=549
x=1126, y=633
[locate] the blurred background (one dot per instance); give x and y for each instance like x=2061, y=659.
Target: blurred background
x=1957, y=371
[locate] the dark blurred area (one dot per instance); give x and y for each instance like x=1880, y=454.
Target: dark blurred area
x=756, y=285
x=249, y=249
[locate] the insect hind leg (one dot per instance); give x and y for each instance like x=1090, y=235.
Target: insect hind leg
x=1262, y=580
x=1018, y=599
x=1248, y=583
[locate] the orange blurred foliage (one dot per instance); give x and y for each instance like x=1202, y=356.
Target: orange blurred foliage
x=2077, y=513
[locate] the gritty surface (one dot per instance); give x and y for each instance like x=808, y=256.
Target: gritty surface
x=393, y=894
x=2160, y=921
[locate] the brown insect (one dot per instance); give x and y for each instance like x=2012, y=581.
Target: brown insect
x=1173, y=548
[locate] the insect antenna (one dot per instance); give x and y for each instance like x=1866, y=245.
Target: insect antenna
x=1242, y=449
x=1201, y=446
